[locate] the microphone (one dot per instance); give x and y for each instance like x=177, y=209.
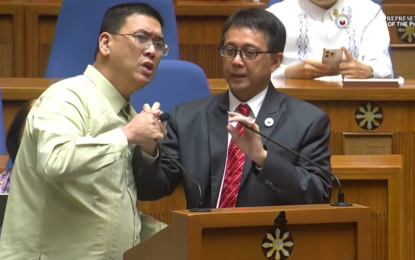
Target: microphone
x=164, y=116
x=340, y=196
x=200, y=208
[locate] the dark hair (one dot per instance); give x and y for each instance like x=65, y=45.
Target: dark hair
x=259, y=20
x=115, y=16
x=13, y=136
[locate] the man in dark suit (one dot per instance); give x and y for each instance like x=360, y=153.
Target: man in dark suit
x=234, y=166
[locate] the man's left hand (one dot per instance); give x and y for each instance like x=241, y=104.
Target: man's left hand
x=352, y=68
x=249, y=142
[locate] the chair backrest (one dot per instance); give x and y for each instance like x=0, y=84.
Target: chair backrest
x=271, y=2
x=175, y=82
x=77, y=32
x=379, y=2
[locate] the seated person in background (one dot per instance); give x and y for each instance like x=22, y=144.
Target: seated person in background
x=313, y=25
x=239, y=169
x=13, y=139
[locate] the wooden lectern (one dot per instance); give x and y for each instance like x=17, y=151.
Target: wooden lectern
x=304, y=232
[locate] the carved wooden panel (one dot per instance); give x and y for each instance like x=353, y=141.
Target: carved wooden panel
x=404, y=143
x=6, y=60
x=403, y=61
x=363, y=192
x=206, y=56
x=12, y=39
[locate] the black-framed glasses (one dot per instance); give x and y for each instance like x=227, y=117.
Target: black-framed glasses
x=246, y=54
x=146, y=41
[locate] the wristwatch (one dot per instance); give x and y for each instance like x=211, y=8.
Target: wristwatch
x=373, y=73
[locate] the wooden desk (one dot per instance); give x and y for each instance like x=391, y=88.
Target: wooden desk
x=395, y=135
x=373, y=181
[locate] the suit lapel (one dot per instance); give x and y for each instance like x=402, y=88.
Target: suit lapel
x=218, y=144
x=271, y=108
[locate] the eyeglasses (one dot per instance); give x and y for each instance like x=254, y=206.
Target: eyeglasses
x=246, y=54
x=145, y=41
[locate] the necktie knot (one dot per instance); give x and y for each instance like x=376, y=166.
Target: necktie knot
x=244, y=109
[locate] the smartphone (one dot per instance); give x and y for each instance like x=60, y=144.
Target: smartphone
x=332, y=57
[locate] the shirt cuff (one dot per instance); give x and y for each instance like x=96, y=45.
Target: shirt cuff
x=150, y=159
x=380, y=71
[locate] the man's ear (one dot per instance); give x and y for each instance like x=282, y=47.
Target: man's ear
x=276, y=61
x=105, y=42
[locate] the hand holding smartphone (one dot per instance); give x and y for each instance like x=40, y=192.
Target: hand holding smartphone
x=332, y=57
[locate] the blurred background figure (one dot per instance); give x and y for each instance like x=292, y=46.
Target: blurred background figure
x=13, y=139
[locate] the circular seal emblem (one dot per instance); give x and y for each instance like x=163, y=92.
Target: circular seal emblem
x=342, y=21
x=369, y=116
x=277, y=244
x=406, y=33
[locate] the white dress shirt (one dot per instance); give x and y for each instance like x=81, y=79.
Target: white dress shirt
x=254, y=104
x=311, y=28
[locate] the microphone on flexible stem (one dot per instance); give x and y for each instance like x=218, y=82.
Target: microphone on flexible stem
x=340, y=196
x=200, y=208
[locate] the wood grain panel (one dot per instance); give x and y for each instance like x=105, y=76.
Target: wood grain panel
x=373, y=181
x=41, y=17
x=363, y=192
x=12, y=38
x=387, y=2
x=6, y=60
x=403, y=61
x=404, y=143
x=205, y=55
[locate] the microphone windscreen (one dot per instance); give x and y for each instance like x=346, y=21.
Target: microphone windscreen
x=163, y=117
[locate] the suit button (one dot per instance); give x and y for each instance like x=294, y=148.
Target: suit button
x=278, y=190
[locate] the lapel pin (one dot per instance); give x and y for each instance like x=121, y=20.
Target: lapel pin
x=269, y=122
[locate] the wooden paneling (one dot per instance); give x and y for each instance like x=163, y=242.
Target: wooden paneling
x=373, y=181
x=41, y=17
x=396, y=134
x=397, y=2
x=12, y=38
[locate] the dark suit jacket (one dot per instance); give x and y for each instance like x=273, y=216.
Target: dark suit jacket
x=197, y=136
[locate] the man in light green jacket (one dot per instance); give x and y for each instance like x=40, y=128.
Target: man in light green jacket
x=72, y=194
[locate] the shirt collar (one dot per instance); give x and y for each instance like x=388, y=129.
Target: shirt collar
x=254, y=103
x=317, y=13
x=114, y=97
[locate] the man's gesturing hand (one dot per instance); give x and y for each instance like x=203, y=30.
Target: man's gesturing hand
x=143, y=128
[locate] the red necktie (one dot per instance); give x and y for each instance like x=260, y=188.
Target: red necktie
x=234, y=167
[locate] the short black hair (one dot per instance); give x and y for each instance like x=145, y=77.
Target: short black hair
x=259, y=20
x=13, y=135
x=115, y=16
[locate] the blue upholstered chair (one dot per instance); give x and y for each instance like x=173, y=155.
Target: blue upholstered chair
x=175, y=82
x=379, y=2
x=77, y=31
